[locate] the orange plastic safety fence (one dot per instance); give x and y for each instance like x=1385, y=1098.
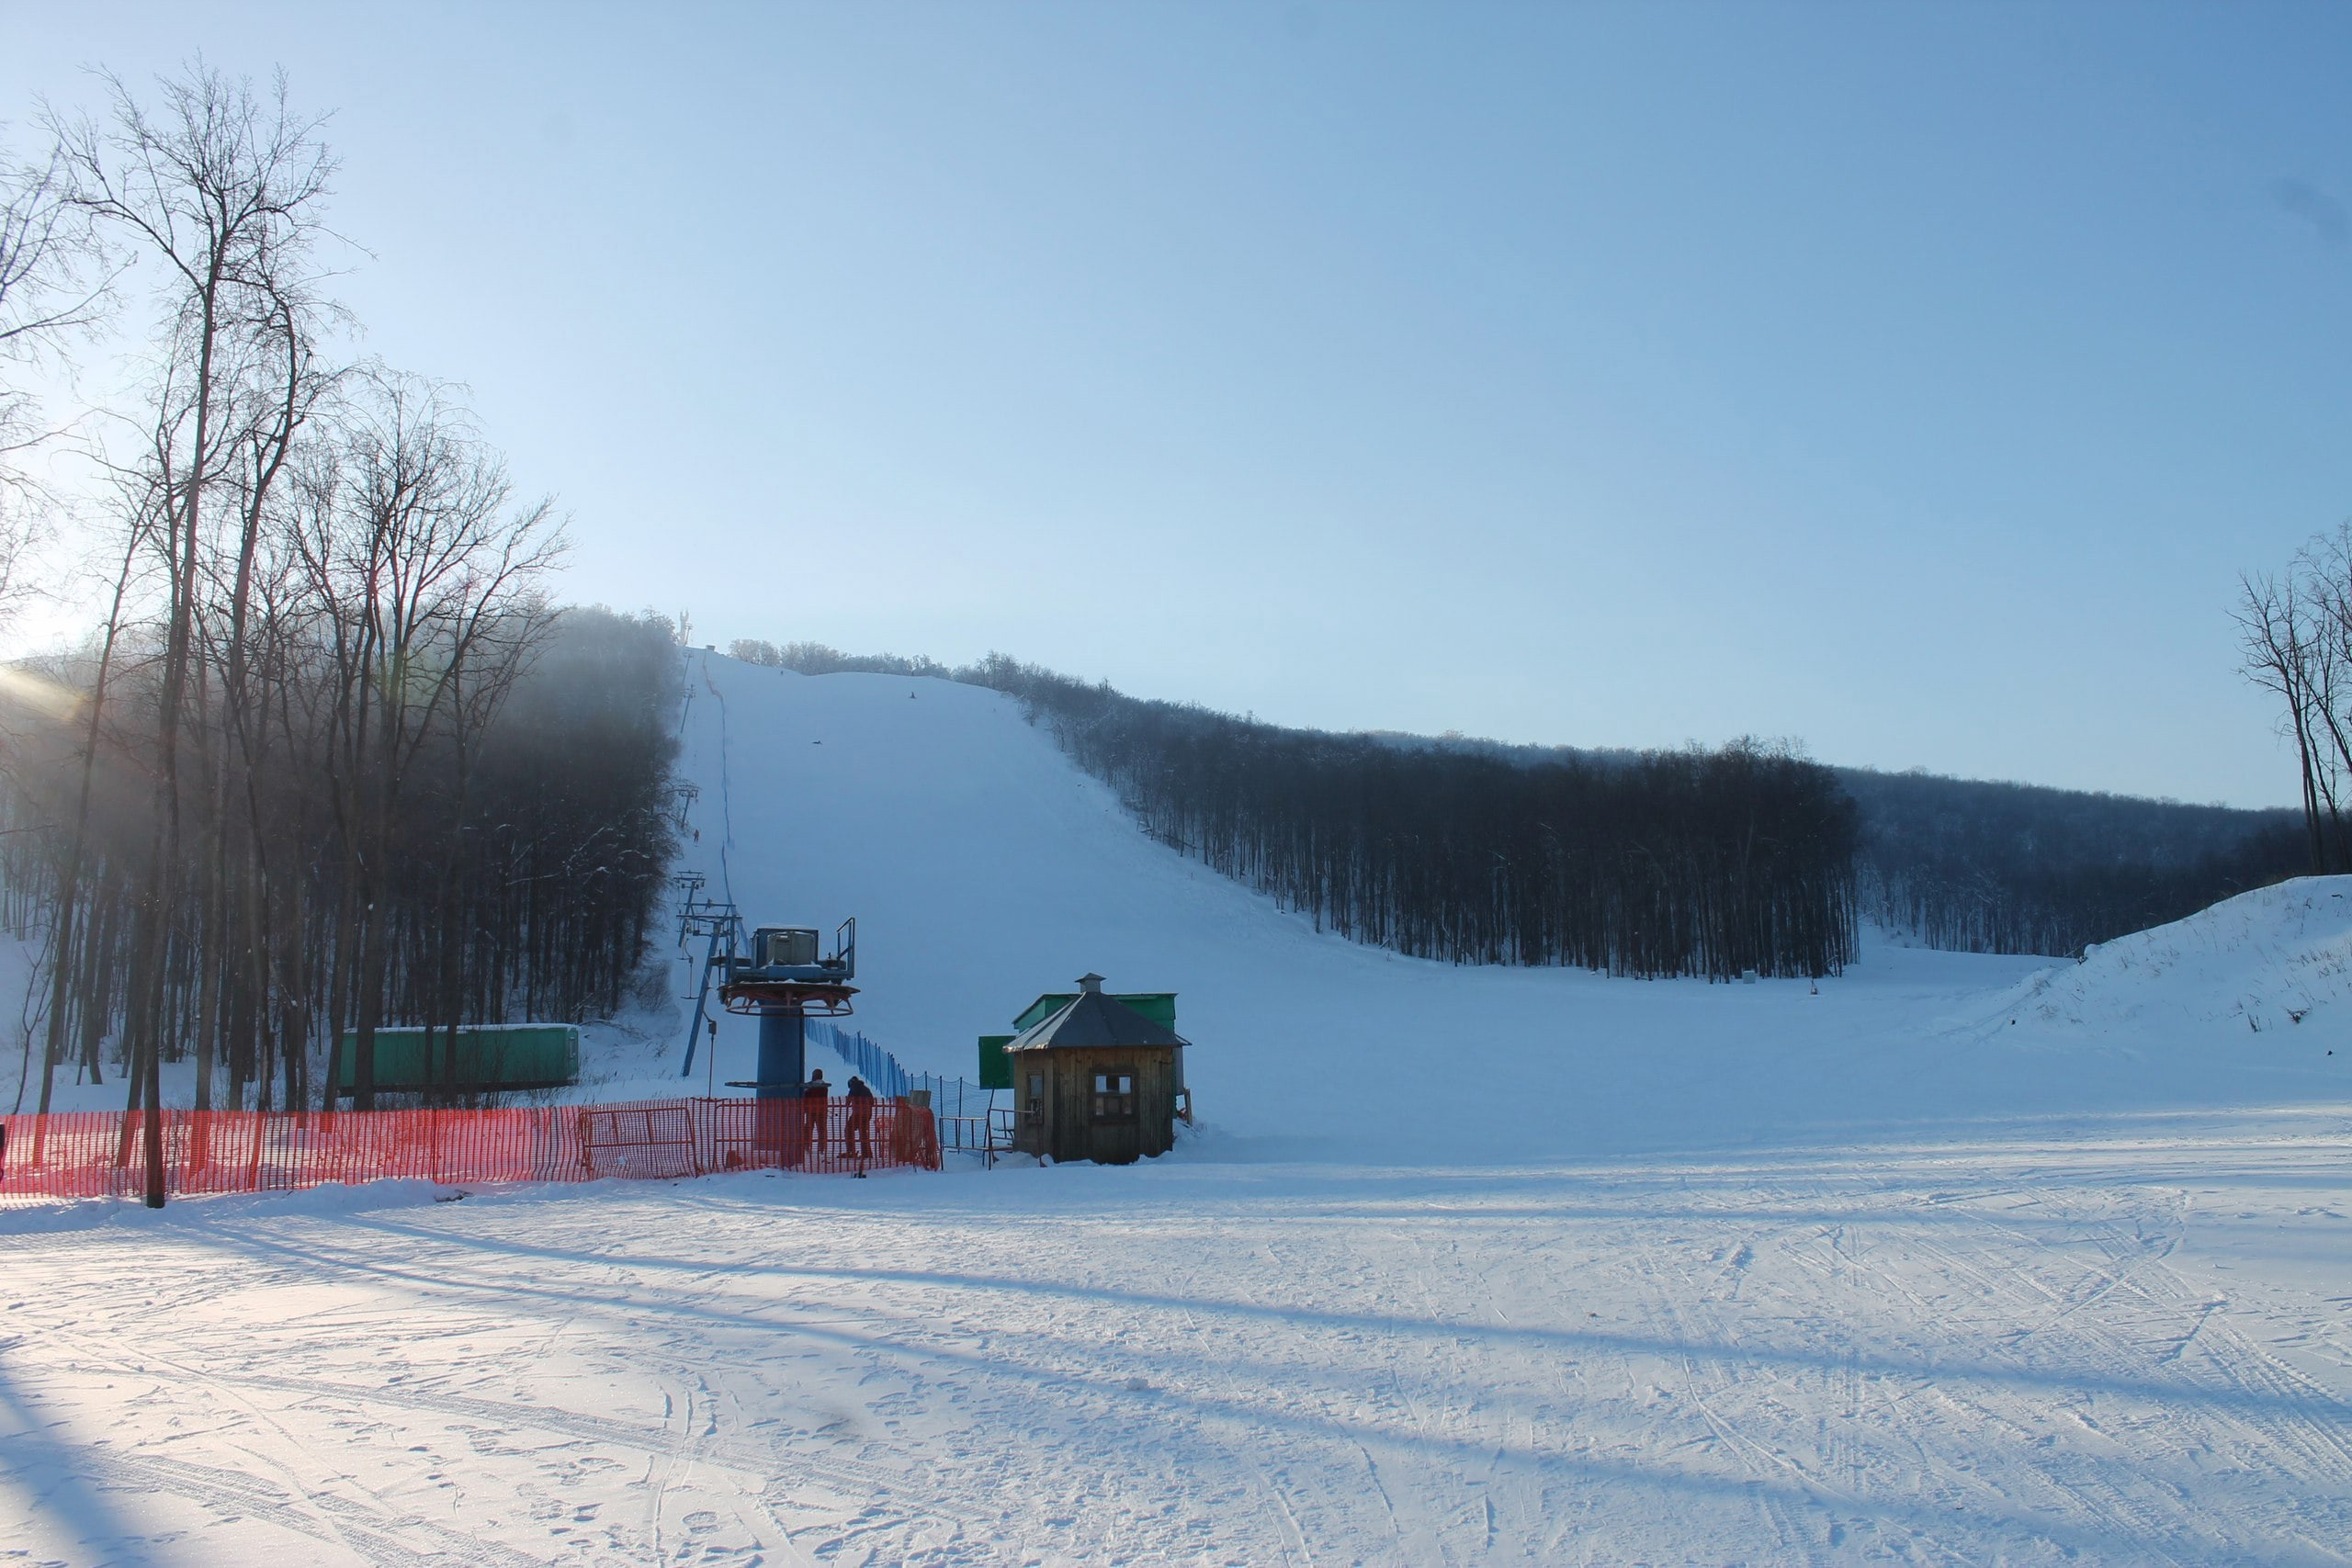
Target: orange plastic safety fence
x=97, y=1154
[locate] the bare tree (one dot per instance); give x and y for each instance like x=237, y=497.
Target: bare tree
x=220, y=192
x=45, y=295
x=430, y=581
x=317, y=774
x=2295, y=641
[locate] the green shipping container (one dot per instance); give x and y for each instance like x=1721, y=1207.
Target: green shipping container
x=490, y=1056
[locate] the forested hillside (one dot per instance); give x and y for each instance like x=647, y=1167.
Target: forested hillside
x=1637, y=863
x=495, y=852
x=1984, y=867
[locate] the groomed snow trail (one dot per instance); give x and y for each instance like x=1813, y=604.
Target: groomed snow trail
x=1965, y=1354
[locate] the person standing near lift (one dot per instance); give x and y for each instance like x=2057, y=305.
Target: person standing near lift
x=857, y=1138
x=814, y=1097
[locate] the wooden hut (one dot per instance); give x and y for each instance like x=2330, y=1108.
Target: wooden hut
x=1096, y=1080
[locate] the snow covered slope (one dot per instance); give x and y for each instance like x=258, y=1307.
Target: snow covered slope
x=2276, y=959
x=1958, y=1356
x=985, y=868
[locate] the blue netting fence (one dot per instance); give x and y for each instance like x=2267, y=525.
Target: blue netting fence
x=881, y=1069
x=890, y=1078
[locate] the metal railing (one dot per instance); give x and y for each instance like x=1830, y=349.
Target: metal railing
x=987, y=1135
x=882, y=1072
x=954, y=1097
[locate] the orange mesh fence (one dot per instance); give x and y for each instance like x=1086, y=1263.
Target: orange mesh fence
x=99, y=1154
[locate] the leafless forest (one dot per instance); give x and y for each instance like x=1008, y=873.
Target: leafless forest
x=334, y=758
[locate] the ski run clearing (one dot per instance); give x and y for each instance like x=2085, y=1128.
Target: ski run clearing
x=1962, y=1259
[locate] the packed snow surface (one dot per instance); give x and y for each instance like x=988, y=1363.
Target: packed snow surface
x=1959, y=1259
x=2130, y=1349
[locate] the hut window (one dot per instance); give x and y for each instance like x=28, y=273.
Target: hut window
x=1115, y=1097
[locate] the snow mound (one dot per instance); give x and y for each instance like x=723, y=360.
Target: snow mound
x=2275, y=959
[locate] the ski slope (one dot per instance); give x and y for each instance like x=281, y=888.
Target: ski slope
x=985, y=868
x=1958, y=1260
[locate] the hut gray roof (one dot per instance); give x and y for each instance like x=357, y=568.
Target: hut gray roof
x=1093, y=1019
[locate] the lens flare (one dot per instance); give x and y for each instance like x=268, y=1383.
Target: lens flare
x=21, y=688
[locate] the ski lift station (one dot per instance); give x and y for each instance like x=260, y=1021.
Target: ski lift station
x=784, y=982
x=1095, y=1076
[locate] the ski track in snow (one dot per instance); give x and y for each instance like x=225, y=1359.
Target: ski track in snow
x=1466, y=1267
x=1952, y=1358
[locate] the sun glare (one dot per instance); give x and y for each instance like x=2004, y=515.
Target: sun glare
x=21, y=688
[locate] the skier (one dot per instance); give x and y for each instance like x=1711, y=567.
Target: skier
x=858, y=1137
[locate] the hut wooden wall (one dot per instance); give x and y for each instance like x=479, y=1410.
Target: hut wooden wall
x=1070, y=1131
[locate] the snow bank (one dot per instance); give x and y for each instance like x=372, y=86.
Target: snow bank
x=2276, y=959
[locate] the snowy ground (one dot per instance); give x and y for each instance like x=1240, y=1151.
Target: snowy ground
x=1466, y=1265
x=2127, y=1348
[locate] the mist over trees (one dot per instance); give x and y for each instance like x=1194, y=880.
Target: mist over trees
x=332, y=759
x=516, y=876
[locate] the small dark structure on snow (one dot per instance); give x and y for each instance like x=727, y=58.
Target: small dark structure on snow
x=1096, y=1080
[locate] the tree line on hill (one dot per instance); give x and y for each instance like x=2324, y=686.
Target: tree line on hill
x=1482, y=851
x=1983, y=867
x=334, y=760
x=508, y=862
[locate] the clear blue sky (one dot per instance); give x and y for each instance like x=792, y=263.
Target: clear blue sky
x=1913, y=381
